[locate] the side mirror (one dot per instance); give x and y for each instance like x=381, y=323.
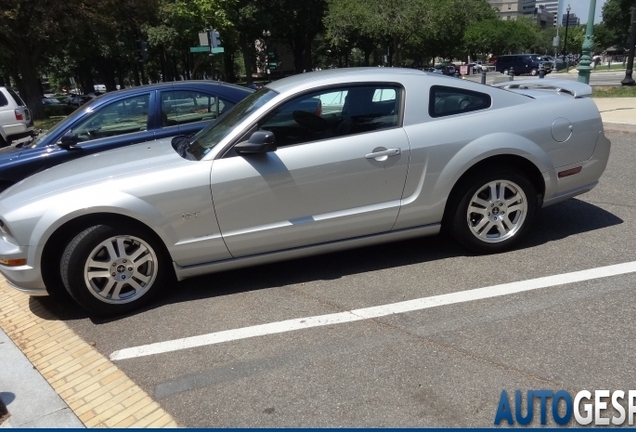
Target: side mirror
x=68, y=141
x=259, y=142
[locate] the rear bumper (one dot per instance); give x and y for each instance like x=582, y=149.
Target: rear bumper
x=17, y=130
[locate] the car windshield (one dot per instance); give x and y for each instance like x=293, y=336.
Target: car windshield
x=206, y=139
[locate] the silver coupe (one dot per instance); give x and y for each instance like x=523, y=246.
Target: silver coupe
x=309, y=164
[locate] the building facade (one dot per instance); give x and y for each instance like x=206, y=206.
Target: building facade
x=512, y=9
x=551, y=6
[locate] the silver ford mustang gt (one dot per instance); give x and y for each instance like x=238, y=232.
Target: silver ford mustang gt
x=309, y=164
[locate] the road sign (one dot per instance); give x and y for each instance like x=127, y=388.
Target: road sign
x=200, y=49
x=218, y=50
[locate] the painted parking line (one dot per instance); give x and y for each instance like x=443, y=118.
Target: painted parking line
x=373, y=312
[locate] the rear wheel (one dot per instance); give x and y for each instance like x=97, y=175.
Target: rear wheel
x=111, y=270
x=505, y=72
x=492, y=211
x=534, y=72
x=3, y=142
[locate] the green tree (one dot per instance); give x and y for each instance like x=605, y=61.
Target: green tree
x=616, y=16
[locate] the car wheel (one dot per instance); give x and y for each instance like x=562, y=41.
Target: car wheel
x=3, y=142
x=110, y=270
x=492, y=211
x=505, y=72
x=534, y=72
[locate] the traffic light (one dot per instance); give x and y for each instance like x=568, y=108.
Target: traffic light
x=215, y=39
x=141, y=50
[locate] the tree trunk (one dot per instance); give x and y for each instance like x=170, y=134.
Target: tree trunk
x=30, y=86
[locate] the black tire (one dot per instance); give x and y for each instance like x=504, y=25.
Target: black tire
x=534, y=72
x=129, y=269
x=3, y=142
x=492, y=225
x=505, y=72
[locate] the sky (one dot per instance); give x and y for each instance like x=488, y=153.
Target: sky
x=581, y=9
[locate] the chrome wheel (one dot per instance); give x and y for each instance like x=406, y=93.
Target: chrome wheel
x=120, y=269
x=497, y=211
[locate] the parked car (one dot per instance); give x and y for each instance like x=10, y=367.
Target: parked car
x=522, y=64
x=79, y=100
x=50, y=101
x=122, y=118
x=445, y=69
x=392, y=154
x=15, y=117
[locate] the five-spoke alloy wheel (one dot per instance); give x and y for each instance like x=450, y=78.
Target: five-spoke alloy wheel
x=110, y=271
x=492, y=211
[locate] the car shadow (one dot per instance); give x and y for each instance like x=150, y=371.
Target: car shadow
x=553, y=223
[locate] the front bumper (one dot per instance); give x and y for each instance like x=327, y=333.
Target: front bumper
x=25, y=278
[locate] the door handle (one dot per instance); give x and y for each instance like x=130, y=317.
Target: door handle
x=381, y=154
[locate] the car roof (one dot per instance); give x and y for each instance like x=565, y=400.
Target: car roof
x=221, y=86
x=330, y=76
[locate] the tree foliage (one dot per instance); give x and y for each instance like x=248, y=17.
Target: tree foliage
x=97, y=41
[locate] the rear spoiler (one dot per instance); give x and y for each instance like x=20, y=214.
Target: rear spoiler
x=575, y=88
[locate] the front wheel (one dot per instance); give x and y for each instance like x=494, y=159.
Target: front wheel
x=491, y=212
x=110, y=270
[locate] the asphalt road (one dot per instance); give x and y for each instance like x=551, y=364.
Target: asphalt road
x=440, y=366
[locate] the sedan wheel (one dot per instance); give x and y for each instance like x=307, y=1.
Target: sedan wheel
x=110, y=271
x=494, y=211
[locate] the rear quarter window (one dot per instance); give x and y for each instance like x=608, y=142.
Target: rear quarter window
x=3, y=100
x=445, y=101
x=18, y=100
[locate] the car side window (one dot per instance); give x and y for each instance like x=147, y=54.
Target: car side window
x=332, y=113
x=445, y=101
x=122, y=117
x=187, y=106
x=3, y=100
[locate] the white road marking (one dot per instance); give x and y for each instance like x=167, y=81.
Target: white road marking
x=372, y=312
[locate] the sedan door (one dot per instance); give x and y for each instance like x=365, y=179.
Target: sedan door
x=338, y=173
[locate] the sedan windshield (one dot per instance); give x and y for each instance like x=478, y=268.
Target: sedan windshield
x=210, y=136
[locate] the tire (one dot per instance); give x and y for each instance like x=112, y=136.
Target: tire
x=111, y=270
x=3, y=142
x=505, y=72
x=534, y=72
x=487, y=225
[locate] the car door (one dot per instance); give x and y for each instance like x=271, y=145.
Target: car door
x=338, y=173
x=187, y=111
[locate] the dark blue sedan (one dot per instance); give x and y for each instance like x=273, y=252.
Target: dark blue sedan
x=119, y=119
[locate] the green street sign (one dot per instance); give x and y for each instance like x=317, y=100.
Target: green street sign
x=200, y=49
x=218, y=50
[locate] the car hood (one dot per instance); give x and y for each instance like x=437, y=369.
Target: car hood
x=126, y=161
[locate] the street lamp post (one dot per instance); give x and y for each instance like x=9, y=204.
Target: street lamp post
x=565, y=42
x=628, y=80
x=588, y=45
x=266, y=35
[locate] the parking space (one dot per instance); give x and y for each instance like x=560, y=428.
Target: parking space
x=324, y=341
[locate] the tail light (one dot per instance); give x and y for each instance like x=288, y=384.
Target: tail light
x=19, y=115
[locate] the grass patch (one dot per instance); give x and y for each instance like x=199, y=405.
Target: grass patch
x=48, y=123
x=614, y=91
